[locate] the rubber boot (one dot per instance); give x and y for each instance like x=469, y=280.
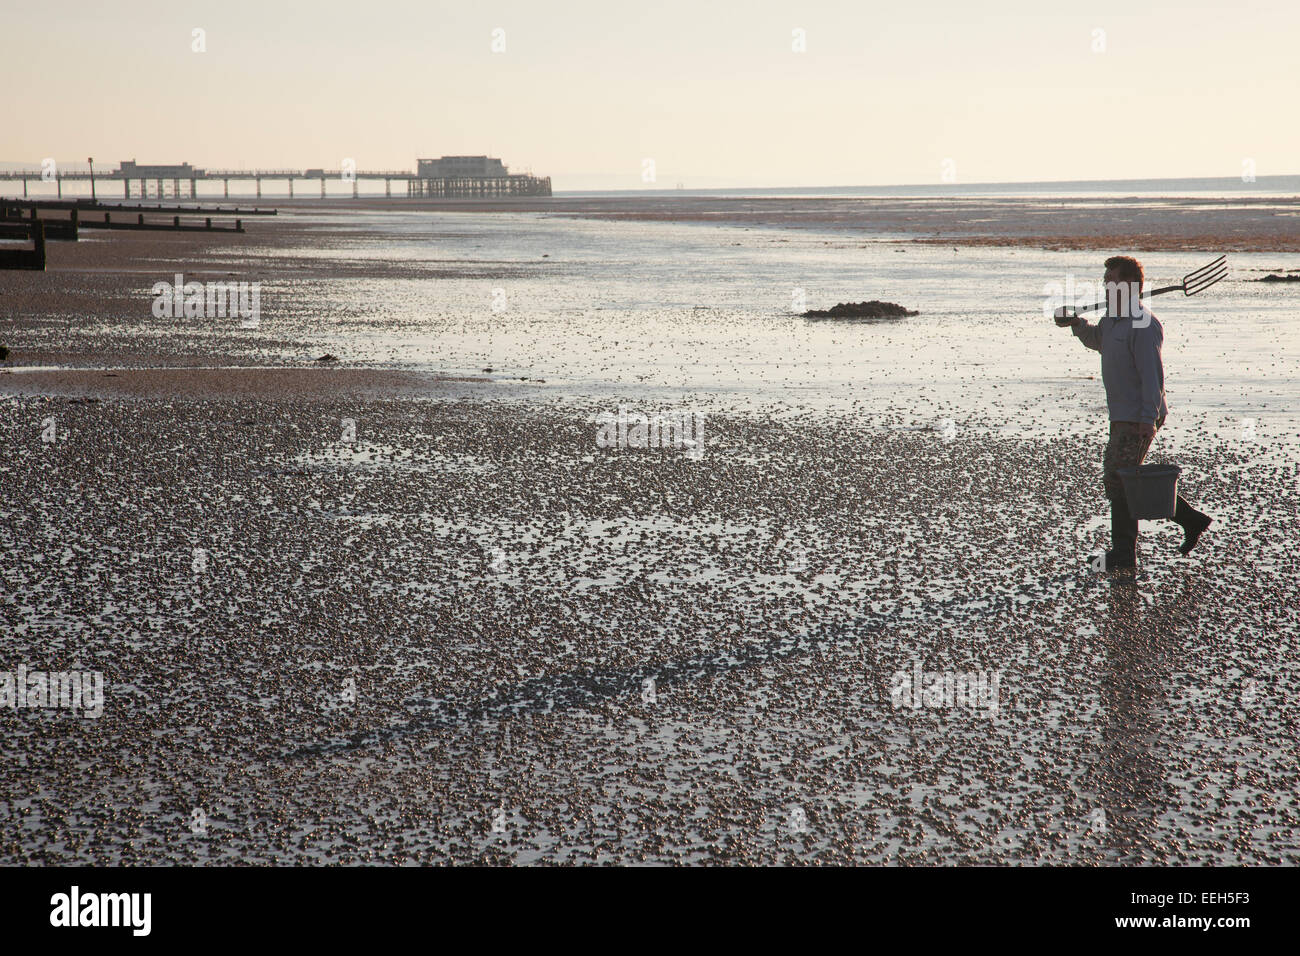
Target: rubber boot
x=1123, y=536
x=1193, y=523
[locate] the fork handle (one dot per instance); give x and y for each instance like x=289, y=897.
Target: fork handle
x=1102, y=304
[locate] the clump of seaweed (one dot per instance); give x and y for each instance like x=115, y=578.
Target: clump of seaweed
x=875, y=309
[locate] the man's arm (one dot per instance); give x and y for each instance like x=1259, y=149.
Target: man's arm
x=1089, y=335
x=1146, y=345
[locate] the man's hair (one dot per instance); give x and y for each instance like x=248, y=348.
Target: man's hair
x=1129, y=269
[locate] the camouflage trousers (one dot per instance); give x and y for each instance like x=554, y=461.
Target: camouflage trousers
x=1127, y=446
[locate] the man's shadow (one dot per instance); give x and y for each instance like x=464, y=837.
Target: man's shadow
x=1145, y=635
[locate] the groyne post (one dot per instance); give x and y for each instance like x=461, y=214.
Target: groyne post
x=38, y=245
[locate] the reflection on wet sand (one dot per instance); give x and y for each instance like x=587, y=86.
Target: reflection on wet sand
x=1145, y=636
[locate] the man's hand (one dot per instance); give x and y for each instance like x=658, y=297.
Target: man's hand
x=1146, y=429
x=1065, y=317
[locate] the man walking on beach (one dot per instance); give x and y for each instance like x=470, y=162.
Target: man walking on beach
x=1129, y=339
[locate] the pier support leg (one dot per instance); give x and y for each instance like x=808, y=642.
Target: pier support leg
x=24, y=188
x=388, y=188
x=160, y=189
x=322, y=187
x=59, y=180
x=259, y=187
x=227, y=182
x=354, y=189
x=126, y=188
x=290, y=187
x=193, y=185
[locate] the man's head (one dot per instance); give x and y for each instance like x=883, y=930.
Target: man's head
x=1124, y=269
x=1124, y=281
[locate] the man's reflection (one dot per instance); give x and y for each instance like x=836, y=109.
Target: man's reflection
x=1144, y=637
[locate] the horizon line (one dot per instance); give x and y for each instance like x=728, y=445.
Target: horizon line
x=11, y=165
x=939, y=185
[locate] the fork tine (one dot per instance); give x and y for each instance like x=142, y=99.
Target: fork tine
x=1221, y=262
x=1207, y=275
x=1203, y=283
x=1212, y=273
x=1207, y=280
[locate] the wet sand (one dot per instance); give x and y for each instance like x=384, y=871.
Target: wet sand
x=430, y=638
x=204, y=384
x=1138, y=224
x=106, y=276
x=394, y=644
x=1246, y=224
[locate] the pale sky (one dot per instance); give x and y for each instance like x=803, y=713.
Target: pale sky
x=712, y=91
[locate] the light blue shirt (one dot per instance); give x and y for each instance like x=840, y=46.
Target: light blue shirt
x=1131, y=367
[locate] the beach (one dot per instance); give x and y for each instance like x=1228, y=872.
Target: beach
x=403, y=606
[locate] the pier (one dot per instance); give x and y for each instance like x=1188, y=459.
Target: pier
x=450, y=177
x=417, y=188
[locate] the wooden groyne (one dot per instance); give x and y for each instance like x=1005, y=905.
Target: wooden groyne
x=174, y=226
x=33, y=258
x=56, y=230
x=15, y=225
x=86, y=205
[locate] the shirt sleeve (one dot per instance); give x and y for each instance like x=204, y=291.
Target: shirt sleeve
x=1088, y=334
x=1146, y=346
